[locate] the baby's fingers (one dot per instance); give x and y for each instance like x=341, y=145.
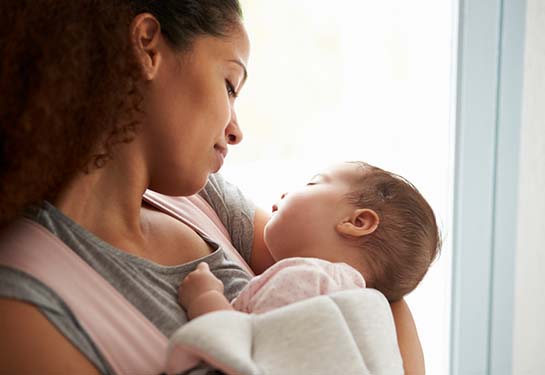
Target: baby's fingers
x=203, y=266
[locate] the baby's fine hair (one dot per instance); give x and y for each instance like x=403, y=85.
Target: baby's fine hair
x=399, y=252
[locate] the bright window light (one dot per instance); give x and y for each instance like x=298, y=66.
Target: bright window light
x=354, y=80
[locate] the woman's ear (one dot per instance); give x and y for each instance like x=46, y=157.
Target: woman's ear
x=362, y=222
x=145, y=39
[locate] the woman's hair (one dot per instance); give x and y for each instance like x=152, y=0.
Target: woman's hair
x=399, y=252
x=70, y=84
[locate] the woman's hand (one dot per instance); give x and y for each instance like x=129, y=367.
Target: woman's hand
x=201, y=292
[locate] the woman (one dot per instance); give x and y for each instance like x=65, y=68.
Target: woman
x=106, y=99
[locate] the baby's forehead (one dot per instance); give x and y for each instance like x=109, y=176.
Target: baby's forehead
x=348, y=171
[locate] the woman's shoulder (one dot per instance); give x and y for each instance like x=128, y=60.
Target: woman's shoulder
x=19, y=285
x=31, y=344
x=222, y=195
x=37, y=305
x=235, y=211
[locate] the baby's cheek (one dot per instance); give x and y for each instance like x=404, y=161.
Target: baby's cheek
x=275, y=237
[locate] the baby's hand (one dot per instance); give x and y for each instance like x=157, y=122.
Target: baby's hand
x=197, y=283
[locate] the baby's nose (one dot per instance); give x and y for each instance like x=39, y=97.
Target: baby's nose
x=275, y=206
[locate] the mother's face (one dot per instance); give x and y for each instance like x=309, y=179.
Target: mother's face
x=189, y=109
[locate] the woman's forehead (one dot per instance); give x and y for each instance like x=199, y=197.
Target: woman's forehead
x=234, y=46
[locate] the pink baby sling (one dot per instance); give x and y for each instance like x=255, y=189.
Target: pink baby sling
x=128, y=341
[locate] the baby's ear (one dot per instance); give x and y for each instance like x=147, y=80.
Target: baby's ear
x=361, y=222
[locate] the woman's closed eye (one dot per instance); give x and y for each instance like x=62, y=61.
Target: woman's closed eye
x=230, y=89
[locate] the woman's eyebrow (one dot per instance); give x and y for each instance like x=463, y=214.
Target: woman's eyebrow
x=241, y=64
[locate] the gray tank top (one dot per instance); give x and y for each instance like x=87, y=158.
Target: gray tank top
x=150, y=287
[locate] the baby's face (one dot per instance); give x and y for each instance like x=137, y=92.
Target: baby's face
x=303, y=221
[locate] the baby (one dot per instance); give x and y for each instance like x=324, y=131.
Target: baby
x=352, y=226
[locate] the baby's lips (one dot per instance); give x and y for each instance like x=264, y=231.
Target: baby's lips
x=274, y=208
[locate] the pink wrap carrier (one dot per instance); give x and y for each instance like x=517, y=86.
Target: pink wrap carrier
x=126, y=339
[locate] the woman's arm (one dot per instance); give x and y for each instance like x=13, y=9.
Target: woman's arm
x=407, y=338
x=32, y=345
x=261, y=258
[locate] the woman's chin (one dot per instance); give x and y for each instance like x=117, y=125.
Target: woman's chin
x=180, y=188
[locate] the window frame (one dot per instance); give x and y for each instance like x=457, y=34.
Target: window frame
x=488, y=104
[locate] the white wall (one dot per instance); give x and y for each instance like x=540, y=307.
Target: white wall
x=529, y=318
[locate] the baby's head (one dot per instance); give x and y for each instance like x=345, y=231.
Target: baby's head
x=355, y=213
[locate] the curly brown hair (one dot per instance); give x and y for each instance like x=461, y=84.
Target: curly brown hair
x=407, y=240
x=70, y=84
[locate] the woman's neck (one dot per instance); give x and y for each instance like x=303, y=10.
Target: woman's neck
x=108, y=200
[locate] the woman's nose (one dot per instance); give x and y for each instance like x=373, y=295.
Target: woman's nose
x=233, y=134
